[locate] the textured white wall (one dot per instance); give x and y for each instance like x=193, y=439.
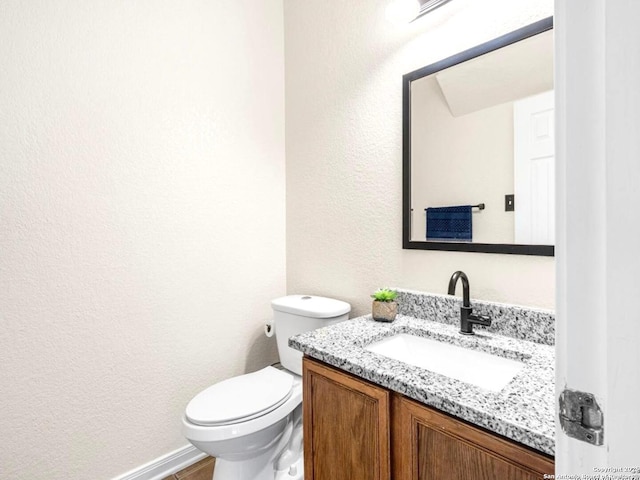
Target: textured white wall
x=142, y=221
x=344, y=64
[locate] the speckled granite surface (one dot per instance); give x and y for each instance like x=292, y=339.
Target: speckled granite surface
x=522, y=411
x=535, y=325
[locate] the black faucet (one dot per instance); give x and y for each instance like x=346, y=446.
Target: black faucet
x=467, y=319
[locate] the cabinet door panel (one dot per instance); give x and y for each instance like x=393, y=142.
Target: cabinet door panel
x=443, y=457
x=346, y=426
x=430, y=445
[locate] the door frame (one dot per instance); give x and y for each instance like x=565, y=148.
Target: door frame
x=597, y=259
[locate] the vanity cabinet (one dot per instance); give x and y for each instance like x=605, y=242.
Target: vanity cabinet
x=357, y=430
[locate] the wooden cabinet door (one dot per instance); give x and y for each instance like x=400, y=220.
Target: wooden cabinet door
x=429, y=445
x=346, y=426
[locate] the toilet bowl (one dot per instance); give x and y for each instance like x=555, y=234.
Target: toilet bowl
x=246, y=444
x=252, y=423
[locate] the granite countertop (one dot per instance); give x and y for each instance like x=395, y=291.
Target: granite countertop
x=522, y=411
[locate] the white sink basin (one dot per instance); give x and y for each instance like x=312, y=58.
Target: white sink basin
x=477, y=368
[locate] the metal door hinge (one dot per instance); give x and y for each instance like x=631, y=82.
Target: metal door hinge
x=581, y=417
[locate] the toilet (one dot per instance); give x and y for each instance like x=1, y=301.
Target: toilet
x=252, y=423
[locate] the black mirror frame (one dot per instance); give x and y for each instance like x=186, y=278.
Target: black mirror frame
x=513, y=37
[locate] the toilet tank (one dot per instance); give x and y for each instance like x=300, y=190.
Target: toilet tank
x=296, y=314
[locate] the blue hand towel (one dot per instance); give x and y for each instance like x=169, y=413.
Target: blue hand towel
x=449, y=223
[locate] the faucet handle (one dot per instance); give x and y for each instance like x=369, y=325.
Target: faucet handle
x=483, y=320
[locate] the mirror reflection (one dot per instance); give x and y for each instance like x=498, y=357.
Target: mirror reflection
x=482, y=149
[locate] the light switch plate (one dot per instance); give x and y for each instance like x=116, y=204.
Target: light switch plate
x=509, y=203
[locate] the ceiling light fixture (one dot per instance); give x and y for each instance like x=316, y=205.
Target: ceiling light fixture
x=402, y=11
x=405, y=11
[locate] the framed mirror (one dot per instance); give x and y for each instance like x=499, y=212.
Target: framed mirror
x=478, y=148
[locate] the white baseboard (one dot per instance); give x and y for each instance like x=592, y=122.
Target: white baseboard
x=166, y=465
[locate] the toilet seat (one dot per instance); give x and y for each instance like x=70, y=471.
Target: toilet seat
x=240, y=399
x=195, y=432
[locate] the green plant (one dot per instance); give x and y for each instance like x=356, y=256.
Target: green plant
x=385, y=295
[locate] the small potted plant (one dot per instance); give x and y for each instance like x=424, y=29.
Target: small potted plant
x=384, y=307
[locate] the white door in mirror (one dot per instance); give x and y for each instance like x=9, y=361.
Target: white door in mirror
x=534, y=169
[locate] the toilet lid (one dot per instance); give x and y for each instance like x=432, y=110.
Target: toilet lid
x=241, y=398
